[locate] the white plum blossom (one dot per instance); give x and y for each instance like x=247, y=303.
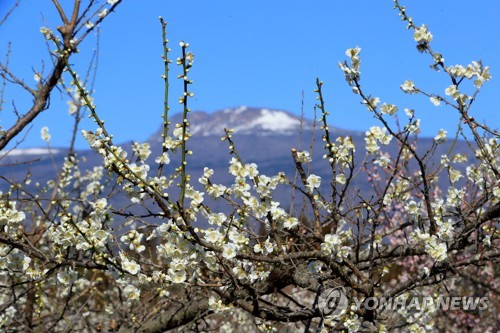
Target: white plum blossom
x=341, y=179
x=408, y=87
x=303, y=157
x=445, y=230
x=103, y=13
x=372, y=103
x=129, y=265
x=459, y=158
x=229, y=251
x=452, y=91
x=290, y=222
x=413, y=208
x=141, y=150
x=195, y=196
x=92, y=139
x=487, y=240
x=441, y=136
x=313, y=182
x=72, y=107
x=475, y=70
x=237, y=237
x=236, y=168
x=496, y=192
x=251, y=169
x=353, y=54
x=216, y=190
x=266, y=249
x=207, y=173
x=445, y=160
x=422, y=35
x=217, y=218
x=331, y=241
x=46, y=32
x=214, y=236
x=388, y=109
x=133, y=239
x=434, y=100
x=67, y=277
x=44, y=133
x=163, y=159
x=132, y=292
x=266, y=185
x=482, y=75
x=413, y=127
x=178, y=276
x=15, y=260
x=409, y=112
x=455, y=175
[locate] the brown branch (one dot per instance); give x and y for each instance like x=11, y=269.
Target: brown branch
x=40, y=104
x=176, y=315
x=492, y=213
x=36, y=253
x=60, y=10
x=14, y=79
x=309, y=195
x=2, y=21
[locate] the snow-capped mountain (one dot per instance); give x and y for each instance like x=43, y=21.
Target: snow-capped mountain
x=246, y=120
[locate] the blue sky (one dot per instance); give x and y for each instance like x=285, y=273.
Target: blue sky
x=257, y=53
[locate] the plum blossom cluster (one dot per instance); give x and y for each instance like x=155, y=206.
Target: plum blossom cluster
x=342, y=151
x=334, y=245
x=260, y=204
x=13, y=261
x=90, y=233
x=441, y=136
x=476, y=71
x=422, y=34
x=352, y=71
x=10, y=217
x=374, y=136
x=181, y=256
x=408, y=87
x=390, y=109
x=434, y=247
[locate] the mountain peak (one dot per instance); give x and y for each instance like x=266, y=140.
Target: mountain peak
x=247, y=120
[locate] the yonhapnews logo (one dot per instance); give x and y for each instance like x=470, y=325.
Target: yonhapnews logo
x=332, y=301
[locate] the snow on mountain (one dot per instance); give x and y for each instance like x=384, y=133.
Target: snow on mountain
x=247, y=120
x=276, y=121
x=31, y=152
x=244, y=120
